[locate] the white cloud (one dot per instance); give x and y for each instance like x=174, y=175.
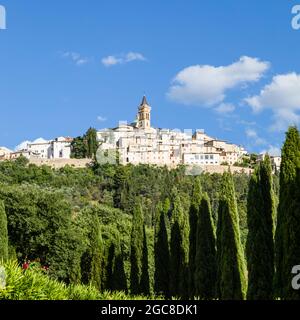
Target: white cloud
x=122, y=59
x=246, y=123
x=206, y=85
x=23, y=145
x=101, y=119
x=253, y=136
x=76, y=58
x=225, y=108
x=282, y=96
x=111, y=61
x=272, y=151
x=132, y=56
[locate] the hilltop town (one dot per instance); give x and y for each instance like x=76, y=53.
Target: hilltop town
x=139, y=143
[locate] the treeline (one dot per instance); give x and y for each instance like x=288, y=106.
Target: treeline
x=153, y=231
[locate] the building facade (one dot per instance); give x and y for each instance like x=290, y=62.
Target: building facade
x=59, y=148
x=5, y=153
x=140, y=143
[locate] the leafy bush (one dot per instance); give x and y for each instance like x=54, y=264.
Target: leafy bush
x=36, y=285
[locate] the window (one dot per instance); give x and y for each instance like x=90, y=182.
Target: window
x=206, y=157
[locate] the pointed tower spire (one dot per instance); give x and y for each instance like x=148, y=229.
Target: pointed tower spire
x=144, y=101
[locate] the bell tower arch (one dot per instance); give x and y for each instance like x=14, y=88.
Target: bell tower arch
x=144, y=115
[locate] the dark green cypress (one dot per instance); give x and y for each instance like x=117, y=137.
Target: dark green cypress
x=193, y=217
x=91, y=141
x=96, y=249
x=3, y=233
x=110, y=266
x=145, y=280
x=260, y=241
x=120, y=280
x=162, y=256
x=205, y=263
x=120, y=179
x=179, y=251
x=136, y=254
x=287, y=240
x=231, y=276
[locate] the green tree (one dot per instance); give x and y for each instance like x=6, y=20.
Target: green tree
x=193, y=219
x=92, y=143
x=260, y=241
x=78, y=148
x=120, y=280
x=110, y=267
x=179, y=250
x=96, y=251
x=287, y=241
x=145, y=280
x=3, y=233
x=205, y=263
x=162, y=256
x=120, y=179
x=231, y=281
x=136, y=253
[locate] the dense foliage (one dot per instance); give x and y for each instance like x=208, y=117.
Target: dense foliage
x=231, y=273
x=260, y=242
x=35, y=285
x=287, y=241
x=3, y=234
x=205, y=274
x=85, y=146
x=151, y=230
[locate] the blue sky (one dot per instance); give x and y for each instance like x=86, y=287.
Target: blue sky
x=68, y=65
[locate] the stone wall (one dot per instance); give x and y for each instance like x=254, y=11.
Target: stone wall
x=82, y=163
x=60, y=163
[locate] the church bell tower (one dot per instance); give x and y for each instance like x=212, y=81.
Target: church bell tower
x=144, y=115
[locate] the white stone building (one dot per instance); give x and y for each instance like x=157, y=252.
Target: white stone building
x=5, y=153
x=59, y=148
x=139, y=143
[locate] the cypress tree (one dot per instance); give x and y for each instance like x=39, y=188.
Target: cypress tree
x=120, y=280
x=136, y=254
x=260, y=241
x=96, y=252
x=193, y=217
x=145, y=281
x=110, y=267
x=287, y=241
x=91, y=141
x=179, y=251
x=120, y=179
x=205, y=262
x=161, y=256
x=3, y=233
x=231, y=277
